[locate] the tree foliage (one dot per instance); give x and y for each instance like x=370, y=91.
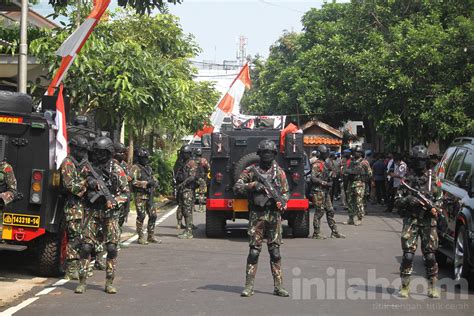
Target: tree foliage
x=134, y=68
x=404, y=67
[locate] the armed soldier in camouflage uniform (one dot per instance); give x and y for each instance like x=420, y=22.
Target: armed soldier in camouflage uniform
x=367, y=180
x=320, y=195
x=107, y=192
x=121, y=157
x=143, y=184
x=73, y=181
x=264, y=215
x=191, y=179
x=356, y=174
x=203, y=171
x=419, y=220
x=8, y=188
x=183, y=156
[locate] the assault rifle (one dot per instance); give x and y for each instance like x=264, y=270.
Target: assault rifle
x=423, y=200
x=101, y=190
x=271, y=191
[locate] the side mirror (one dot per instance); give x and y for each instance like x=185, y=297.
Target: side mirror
x=461, y=178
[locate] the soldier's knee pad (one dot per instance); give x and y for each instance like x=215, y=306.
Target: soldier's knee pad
x=274, y=252
x=430, y=259
x=407, y=258
x=111, y=251
x=86, y=250
x=253, y=255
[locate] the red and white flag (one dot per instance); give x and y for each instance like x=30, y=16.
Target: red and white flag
x=230, y=102
x=74, y=43
x=61, y=135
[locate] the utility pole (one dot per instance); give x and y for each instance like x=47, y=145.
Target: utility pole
x=242, y=50
x=23, y=56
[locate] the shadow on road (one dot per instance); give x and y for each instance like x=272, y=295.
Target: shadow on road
x=227, y=288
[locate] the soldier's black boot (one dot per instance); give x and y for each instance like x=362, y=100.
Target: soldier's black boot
x=151, y=238
x=250, y=272
x=278, y=280
x=336, y=234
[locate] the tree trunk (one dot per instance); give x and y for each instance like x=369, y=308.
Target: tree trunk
x=130, y=147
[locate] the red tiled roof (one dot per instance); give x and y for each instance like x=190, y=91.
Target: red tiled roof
x=318, y=140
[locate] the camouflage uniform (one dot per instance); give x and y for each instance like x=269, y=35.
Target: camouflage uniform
x=320, y=196
x=101, y=220
x=368, y=176
x=355, y=199
x=417, y=222
x=191, y=176
x=264, y=222
x=8, y=187
x=126, y=207
x=203, y=171
x=74, y=183
x=144, y=203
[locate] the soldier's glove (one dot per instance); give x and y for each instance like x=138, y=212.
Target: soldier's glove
x=259, y=187
x=92, y=183
x=151, y=184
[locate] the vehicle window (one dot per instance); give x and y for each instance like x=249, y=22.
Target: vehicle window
x=467, y=163
x=455, y=164
x=440, y=169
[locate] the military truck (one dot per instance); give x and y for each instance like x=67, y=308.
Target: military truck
x=35, y=220
x=232, y=150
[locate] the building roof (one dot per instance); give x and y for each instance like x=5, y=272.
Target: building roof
x=324, y=126
x=12, y=12
x=318, y=140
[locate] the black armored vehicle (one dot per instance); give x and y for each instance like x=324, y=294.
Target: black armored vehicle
x=235, y=148
x=35, y=220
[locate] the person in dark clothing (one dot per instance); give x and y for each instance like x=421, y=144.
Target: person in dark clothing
x=379, y=175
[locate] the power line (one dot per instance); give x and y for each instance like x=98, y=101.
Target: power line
x=280, y=6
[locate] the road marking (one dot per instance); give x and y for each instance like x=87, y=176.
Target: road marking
x=15, y=309
x=27, y=302
x=164, y=217
x=61, y=282
x=46, y=291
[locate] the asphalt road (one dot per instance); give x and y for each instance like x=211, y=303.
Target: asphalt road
x=353, y=276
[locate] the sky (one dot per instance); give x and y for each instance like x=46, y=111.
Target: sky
x=217, y=25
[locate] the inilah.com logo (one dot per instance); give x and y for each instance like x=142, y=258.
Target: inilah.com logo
x=336, y=286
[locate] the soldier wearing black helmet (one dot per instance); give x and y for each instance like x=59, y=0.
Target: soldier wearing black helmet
x=321, y=196
x=185, y=153
x=191, y=177
x=264, y=215
x=356, y=174
x=143, y=186
x=73, y=181
x=107, y=190
x=121, y=157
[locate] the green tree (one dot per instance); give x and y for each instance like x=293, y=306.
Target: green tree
x=404, y=67
x=134, y=68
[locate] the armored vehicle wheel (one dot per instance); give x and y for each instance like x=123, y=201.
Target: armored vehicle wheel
x=244, y=162
x=300, y=224
x=215, y=224
x=51, y=254
x=15, y=102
